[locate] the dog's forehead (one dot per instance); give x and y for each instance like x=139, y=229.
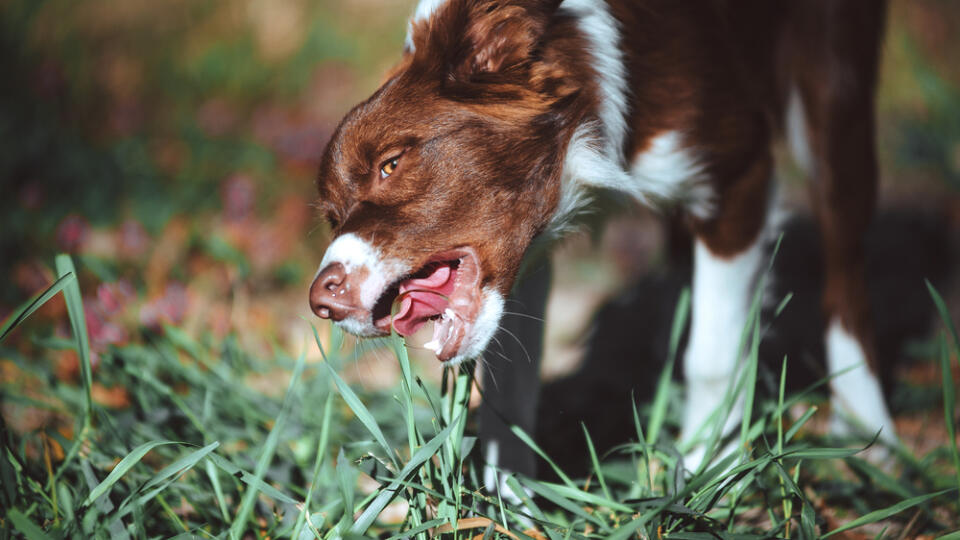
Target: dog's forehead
x=390, y=114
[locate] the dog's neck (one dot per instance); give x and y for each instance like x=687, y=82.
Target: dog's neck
x=595, y=148
x=602, y=32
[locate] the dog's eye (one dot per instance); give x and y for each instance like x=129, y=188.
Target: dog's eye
x=387, y=168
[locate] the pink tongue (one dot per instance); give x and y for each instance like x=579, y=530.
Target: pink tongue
x=423, y=298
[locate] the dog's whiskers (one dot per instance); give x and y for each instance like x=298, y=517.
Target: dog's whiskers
x=520, y=343
x=524, y=315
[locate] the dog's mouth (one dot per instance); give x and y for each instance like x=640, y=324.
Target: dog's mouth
x=446, y=290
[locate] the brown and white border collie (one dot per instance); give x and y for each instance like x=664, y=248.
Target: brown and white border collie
x=503, y=116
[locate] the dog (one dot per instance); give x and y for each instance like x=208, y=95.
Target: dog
x=504, y=117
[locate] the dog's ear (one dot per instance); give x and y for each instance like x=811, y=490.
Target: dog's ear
x=476, y=37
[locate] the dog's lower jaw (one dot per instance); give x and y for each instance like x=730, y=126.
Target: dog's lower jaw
x=479, y=334
x=358, y=328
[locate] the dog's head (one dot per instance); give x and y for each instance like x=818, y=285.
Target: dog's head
x=435, y=186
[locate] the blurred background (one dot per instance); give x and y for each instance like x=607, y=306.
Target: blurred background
x=171, y=147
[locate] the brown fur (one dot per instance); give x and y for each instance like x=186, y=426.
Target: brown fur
x=481, y=118
x=482, y=108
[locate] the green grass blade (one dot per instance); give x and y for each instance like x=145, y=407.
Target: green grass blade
x=822, y=453
x=808, y=521
x=423, y=527
x=878, y=515
x=122, y=468
x=387, y=494
x=28, y=307
x=680, y=316
x=269, y=448
x=878, y=477
x=780, y=411
x=217, y=489
x=347, y=481
x=586, y=497
x=250, y=479
x=78, y=322
x=181, y=465
x=361, y=412
x=406, y=385
x=624, y=532
x=461, y=406
x=786, y=503
x=596, y=463
x=644, y=485
x=782, y=305
x=949, y=405
x=164, y=478
x=807, y=415
x=518, y=431
x=556, y=498
x=659, y=410
x=750, y=384
x=321, y=453
x=28, y=528
x=944, y=314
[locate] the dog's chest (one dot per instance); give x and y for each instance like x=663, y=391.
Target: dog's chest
x=672, y=170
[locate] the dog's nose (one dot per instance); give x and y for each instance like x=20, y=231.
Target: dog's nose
x=329, y=297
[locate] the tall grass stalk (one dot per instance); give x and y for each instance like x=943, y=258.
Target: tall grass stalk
x=78, y=324
x=949, y=390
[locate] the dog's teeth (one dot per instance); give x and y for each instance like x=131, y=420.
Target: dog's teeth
x=435, y=344
x=449, y=331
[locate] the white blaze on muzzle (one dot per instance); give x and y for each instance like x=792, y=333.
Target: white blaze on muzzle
x=355, y=254
x=373, y=274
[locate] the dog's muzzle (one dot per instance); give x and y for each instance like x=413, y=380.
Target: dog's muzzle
x=334, y=294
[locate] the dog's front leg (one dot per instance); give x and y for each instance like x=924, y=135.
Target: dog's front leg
x=728, y=252
x=511, y=379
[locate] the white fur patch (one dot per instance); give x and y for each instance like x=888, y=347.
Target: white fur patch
x=666, y=171
x=492, y=458
x=603, y=33
x=425, y=9
x=669, y=171
x=586, y=165
x=485, y=326
x=856, y=396
x=595, y=152
x=721, y=302
x=353, y=253
x=798, y=137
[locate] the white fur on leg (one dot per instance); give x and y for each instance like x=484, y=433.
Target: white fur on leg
x=491, y=457
x=798, y=136
x=495, y=480
x=721, y=303
x=856, y=397
x=668, y=170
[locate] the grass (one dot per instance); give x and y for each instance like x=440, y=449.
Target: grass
x=198, y=453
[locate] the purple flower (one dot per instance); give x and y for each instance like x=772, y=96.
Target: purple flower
x=238, y=193
x=133, y=238
x=113, y=297
x=169, y=308
x=72, y=232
